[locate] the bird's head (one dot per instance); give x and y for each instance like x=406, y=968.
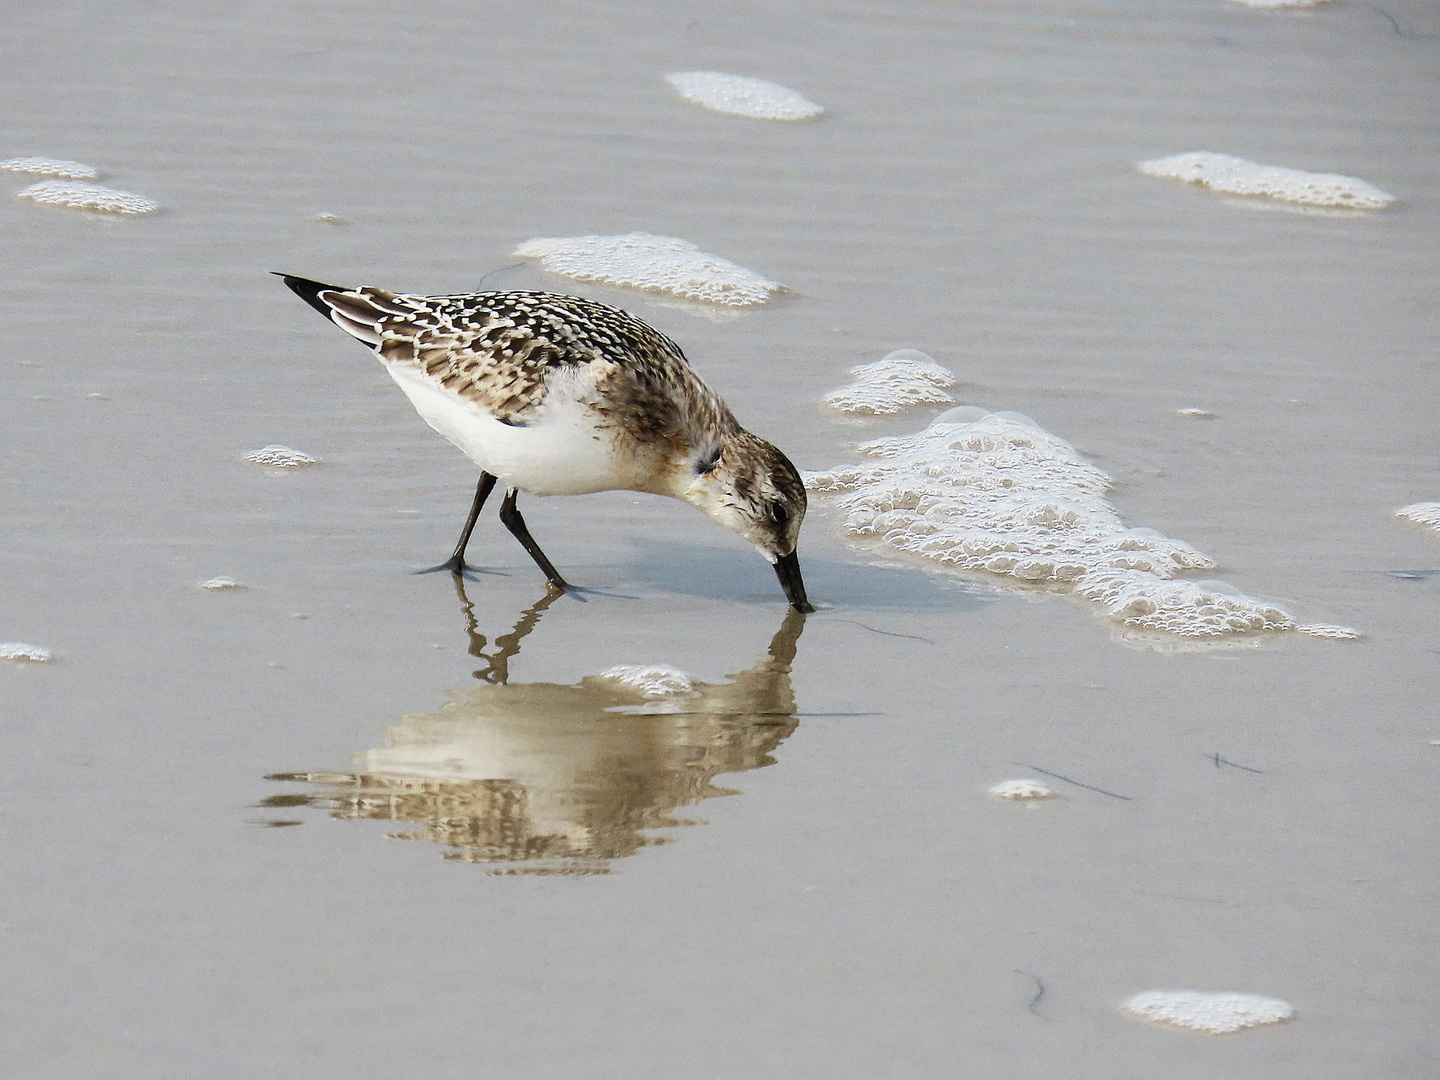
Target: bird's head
x=752, y=489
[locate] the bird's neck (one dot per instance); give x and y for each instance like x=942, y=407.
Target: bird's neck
x=684, y=462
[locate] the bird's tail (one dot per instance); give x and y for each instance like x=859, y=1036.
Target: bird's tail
x=364, y=312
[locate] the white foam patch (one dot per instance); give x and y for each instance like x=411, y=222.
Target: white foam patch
x=220, y=583
x=1236, y=176
x=655, y=263
x=740, y=95
x=18, y=650
x=898, y=381
x=1195, y=414
x=1216, y=1013
x=42, y=166
x=1279, y=3
x=1185, y=608
x=652, y=680
x=1333, y=631
x=1021, y=789
x=995, y=492
x=80, y=196
x=279, y=457
x=1426, y=513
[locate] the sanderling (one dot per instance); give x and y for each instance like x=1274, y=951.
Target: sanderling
x=558, y=395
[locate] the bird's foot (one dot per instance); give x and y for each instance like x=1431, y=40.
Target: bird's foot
x=455, y=564
x=558, y=586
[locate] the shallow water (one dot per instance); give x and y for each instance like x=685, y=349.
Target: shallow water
x=862, y=907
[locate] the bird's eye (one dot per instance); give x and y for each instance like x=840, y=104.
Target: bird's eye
x=779, y=513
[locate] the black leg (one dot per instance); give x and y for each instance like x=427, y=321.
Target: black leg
x=456, y=563
x=510, y=515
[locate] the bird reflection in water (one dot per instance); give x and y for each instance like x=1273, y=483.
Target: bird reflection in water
x=543, y=778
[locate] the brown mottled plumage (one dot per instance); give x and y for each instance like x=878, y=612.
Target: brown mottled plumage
x=561, y=395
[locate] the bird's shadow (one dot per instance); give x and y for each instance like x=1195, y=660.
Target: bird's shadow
x=717, y=573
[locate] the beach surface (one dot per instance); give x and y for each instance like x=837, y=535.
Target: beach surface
x=203, y=783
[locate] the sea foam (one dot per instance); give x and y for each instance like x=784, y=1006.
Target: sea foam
x=1215, y=1013
x=1021, y=789
x=740, y=95
x=42, y=166
x=1279, y=3
x=81, y=196
x=18, y=650
x=901, y=379
x=279, y=457
x=1332, y=631
x=1424, y=513
x=652, y=680
x=978, y=490
x=653, y=263
x=1236, y=176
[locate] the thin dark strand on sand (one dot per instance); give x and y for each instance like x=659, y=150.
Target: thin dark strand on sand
x=1077, y=783
x=1039, y=993
x=1233, y=764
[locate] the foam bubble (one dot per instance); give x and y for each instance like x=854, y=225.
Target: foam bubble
x=899, y=380
x=652, y=680
x=18, y=650
x=1236, y=176
x=279, y=457
x=1196, y=414
x=1426, y=513
x=329, y=219
x=1216, y=1013
x=998, y=493
x=79, y=196
x=42, y=166
x=654, y=263
x=1186, y=608
x=220, y=583
x=1021, y=789
x=1333, y=631
x=740, y=95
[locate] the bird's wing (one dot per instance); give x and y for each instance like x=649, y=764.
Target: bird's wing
x=498, y=349
x=495, y=350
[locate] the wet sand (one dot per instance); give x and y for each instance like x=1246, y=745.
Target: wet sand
x=861, y=907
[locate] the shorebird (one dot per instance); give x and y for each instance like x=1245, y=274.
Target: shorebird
x=558, y=395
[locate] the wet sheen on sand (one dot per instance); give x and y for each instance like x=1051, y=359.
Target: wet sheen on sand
x=1257, y=820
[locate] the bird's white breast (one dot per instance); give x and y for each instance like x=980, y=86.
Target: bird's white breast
x=562, y=449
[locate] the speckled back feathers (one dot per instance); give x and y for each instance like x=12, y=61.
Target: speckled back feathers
x=500, y=350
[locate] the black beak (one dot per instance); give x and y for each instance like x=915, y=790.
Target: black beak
x=787, y=569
